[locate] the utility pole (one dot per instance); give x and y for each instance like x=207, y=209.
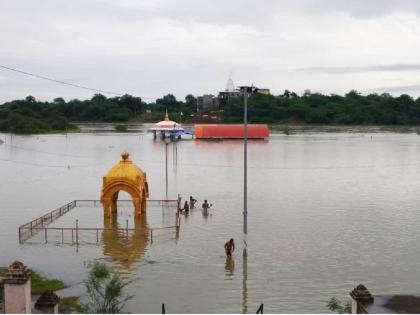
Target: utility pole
x=246, y=161
x=167, y=141
x=245, y=90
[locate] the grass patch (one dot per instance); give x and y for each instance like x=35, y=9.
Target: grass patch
x=39, y=283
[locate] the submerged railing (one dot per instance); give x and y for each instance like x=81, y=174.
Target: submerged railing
x=27, y=230
x=97, y=203
x=37, y=225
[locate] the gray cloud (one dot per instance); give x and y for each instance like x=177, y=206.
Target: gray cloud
x=397, y=89
x=152, y=47
x=362, y=8
x=360, y=69
x=250, y=12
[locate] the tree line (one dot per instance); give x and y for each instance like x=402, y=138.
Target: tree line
x=314, y=108
x=34, y=116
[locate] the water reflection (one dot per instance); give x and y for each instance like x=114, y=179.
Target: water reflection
x=229, y=267
x=205, y=214
x=244, y=282
x=125, y=249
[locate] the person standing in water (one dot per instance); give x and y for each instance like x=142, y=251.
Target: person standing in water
x=229, y=247
x=186, y=206
x=206, y=206
x=192, y=202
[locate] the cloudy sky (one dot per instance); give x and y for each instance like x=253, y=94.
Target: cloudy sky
x=149, y=48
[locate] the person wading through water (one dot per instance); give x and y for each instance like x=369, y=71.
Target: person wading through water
x=186, y=206
x=229, y=247
x=205, y=205
x=192, y=202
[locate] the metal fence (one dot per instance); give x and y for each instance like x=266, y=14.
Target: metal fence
x=40, y=224
x=125, y=203
x=28, y=229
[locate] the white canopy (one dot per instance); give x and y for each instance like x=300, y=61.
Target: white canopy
x=166, y=125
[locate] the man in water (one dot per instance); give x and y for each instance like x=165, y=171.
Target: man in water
x=179, y=203
x=206, y=206
x=229, y=247
x=192, y=202
x=186, y=206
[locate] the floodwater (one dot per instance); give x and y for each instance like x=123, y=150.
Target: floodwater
x=327, y=211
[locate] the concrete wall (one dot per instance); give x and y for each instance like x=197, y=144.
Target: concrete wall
x=17, y=298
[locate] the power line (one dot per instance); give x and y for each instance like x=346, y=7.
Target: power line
x=50, y=166
x=63, y=82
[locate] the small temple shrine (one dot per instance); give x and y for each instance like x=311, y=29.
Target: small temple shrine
x=128, y=177
x=166, y=126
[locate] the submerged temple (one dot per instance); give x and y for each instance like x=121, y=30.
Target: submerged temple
x=128, y=177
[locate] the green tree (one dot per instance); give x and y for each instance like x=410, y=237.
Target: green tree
x=191, y=101
x=104, y=288
x=134, y=104
x=98, y=98
x=30, y=99
x=59, y=100
x=169, y=102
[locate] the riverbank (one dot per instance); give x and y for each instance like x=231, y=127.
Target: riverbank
x=40, y=284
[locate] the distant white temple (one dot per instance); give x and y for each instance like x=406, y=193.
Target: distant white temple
x=230, y=87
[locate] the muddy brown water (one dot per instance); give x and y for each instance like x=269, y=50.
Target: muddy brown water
x=327, y=211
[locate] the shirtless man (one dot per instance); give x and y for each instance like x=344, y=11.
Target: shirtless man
x=206, y=206
x=229, y=247
x=186, y=206
x=192, y=202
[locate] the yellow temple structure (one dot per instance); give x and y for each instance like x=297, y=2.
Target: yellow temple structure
x=128, y=177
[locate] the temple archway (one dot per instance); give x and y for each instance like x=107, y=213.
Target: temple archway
x=128, y=177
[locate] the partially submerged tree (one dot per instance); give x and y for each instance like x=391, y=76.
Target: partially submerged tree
x=104, y=289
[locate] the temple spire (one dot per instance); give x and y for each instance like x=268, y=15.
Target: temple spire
x=230, y=87
x=166, y=115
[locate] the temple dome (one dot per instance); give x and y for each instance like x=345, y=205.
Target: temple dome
x=166, y=124
x=125, y=169
x=128, y=177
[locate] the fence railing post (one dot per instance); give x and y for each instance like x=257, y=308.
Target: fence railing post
x=77, y=231
x=46, y=240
